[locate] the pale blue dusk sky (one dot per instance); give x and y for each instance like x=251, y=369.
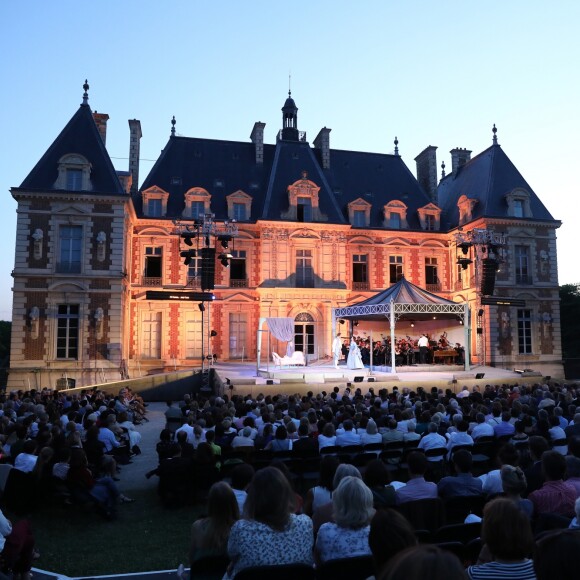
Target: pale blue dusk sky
x=431, y=73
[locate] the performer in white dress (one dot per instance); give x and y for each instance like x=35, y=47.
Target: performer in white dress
x=336, y=349
x=354, y=360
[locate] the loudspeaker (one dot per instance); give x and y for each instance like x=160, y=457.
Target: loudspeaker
x=269, y=381
x=370, y=379
x=480, y=330
x=349, y=384
x=548, y=378
x=207, y=269
x=480, y=375
x=359, y=379
x=488, y=276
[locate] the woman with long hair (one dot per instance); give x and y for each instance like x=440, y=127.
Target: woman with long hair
x=270, y=533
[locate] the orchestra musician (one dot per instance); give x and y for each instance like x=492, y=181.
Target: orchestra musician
x=423, y=344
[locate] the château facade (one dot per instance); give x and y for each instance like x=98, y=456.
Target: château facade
x=314, y=229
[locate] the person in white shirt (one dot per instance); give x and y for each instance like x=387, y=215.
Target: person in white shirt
x=26, y=460
x=349, y=436
x=423, y=344
x=432, y=440
x=244, y=439
x=481, y=429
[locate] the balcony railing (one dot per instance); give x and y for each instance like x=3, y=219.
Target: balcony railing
x=360, y=286
x=238, y=283
x=150, y=281
x=433, y=287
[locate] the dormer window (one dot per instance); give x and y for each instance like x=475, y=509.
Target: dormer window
x=395, y=213
x=359, y=213
x=155, y=202
x=303, y=202
x=239, y=206
x=429, y=217
x=519, y=203
x=465, y=207
x=197, y=203
x=74, y=173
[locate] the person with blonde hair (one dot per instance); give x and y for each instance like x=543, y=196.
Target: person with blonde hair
x=348, y=535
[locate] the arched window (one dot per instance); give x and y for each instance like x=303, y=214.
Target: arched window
x=304, y=333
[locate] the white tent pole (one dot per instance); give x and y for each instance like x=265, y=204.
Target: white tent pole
x=466, y=335
x=259, y=345
x=392, y=317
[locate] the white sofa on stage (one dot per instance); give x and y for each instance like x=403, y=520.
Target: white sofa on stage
x=296, y=360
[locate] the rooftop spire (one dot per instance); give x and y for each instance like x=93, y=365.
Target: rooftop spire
x=396, y=142
x=494, y=131
x=173, y=126
x=442, y=169
x=86, y=93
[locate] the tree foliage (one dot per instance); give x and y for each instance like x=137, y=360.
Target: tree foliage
x=570, y=320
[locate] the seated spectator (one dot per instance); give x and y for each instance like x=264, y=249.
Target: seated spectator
x=134, y=435
x=26, y=459
x=17, y=548
x=242, y=476
x=504, y=427
x=390, y=534
x=280, y=441
x=187, y=427
x=321, y=494
x=424, y=561
x=573, y=472
x=492, y=485
x=349, y=436
x=411, y=435
x=481, y=429
x=432, y=440
x=305, y=443
x=210, y=535
x=244, y=439
x=557, y=555
x=462, y=484
x=575, y=523
x=348, y=535
x=392, y=433
x=514, y=485
x=507, y=534
x=271, y=534
x=534, y=473
x=555, y=496
x=173, y=417
x=371, y=434
x=557, y=433
x=328, y=436
x=187, y=449
x=376, y=477
x=458, y=438
x=416, y=488
x=573, y=429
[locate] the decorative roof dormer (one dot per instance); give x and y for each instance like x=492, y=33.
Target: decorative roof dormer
x=518, y=202
x=395, y=215
x=303, y=202
x=74, y=173
x=359, y=213
x=239, y=206
x=197, y=203
x=290, y=119
x=155, y=202
x=430, y=217
x=465, y=206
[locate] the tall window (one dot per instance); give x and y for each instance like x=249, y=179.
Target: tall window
x=360, y=280
x=395, y=268
x=518, y=208
x=395, y=220
x=238, y=269
x=194, y=269
x=193, y=334
x=522, y=255
x=431, y=278
x=67, y=331
x=304, y=333
x=359, y=218
x=460, y=273
x=70, y=246
x=155, y=208
x=74, y=179
x=304, y=270
x=240, y=212
x=525, y=331
x=197, y=209
x=304, y=209
x=153, y=263
x=238, y=326
x=151, y=335
x=430, y=222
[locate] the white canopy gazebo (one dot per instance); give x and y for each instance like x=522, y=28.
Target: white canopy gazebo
x=404, y=298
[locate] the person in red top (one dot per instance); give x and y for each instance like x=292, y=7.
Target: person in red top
x=555, y=496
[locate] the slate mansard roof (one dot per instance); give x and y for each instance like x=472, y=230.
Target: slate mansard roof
x=223, y=167
x=80, y=136
x=488, y=177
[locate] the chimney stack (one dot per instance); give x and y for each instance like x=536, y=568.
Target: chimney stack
x=257, y=137
x=322, y=142
x=134, y=152
x=459, y=157
x=427, y=171
x=101, y=123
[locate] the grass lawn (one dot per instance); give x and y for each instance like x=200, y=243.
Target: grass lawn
x=144, y=537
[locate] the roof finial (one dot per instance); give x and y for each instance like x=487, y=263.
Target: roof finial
x=290, y=84
x=494, y=130
x=396, y=146
x=173, y=126
x=442, y=169
x=86, y=93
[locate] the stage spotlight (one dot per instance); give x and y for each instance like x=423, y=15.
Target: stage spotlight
x=341, y=321
x=188, y=237
x=464, y=246
x=213, y=333
x=201, y=306
x=480, y=312
x=225, y=241
x=187, y=256
x=355, y=323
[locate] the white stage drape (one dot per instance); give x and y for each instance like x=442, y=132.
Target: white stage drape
x=283, y=329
